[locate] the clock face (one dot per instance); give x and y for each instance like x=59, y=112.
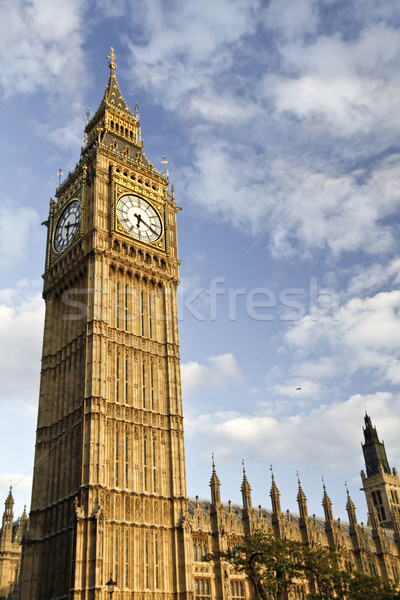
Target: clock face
x=67, y=226
x=139, y=218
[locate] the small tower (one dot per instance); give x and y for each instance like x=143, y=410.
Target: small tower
x=330, y=526
x=215, y=486
x=248, y=514
x=373, y=450
x=10, y=550
x=275, y=498
x=304, y=520
x=380, y=485
x=351, y=511
x=327, y=504
x=246, y=492
x=302, y=502
x=8, y=517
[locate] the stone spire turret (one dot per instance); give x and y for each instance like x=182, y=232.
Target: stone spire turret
x=8, y=517
x=8, y=514
x=351, y=510
x=215, y=486
x=246, y=492
x=327, y=504
x=302, y=502
x=22, y=526
x=275, y=497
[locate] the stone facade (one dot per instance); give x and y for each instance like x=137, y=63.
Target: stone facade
x=109, y=489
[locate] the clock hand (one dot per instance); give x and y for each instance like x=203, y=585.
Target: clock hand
x=139, y=219
x=152, y=230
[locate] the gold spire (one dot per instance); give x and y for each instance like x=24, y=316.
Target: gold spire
x=112, y=58
x=113, y=96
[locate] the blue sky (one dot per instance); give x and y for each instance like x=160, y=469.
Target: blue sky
x=280, y=122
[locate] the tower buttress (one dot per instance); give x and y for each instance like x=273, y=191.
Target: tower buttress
x=373, y=518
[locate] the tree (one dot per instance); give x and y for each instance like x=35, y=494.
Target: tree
x=275, y=566
x=360, y=587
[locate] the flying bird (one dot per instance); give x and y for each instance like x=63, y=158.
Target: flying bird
x=298, y=389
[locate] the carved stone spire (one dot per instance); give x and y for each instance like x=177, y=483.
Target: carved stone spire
x=275, y=497
x=302, y=501
x=327, y=504
x=215, y=486
x=8, y=517
x=351, y=510
x=246, y=491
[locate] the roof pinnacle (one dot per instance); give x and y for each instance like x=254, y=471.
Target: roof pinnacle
x=112, y=57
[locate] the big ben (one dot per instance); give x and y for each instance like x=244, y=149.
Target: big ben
x=109, y=486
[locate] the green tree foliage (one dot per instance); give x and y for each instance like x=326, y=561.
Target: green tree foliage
x=275, y=566
x=361, y=587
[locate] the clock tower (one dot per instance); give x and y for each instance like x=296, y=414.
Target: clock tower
x=109, y=489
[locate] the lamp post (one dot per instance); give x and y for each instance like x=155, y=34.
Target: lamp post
x=110, y=586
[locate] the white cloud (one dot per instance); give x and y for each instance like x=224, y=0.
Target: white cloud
x=187, y=52
x=298, y=208
x=291, y=19
x=328, y=428
x=17, y=224
x=219, y=372
x=20, y=482
x=310, y=102
x=373, y=277
x=21, y=331
x=40, y=46
x=363, y=337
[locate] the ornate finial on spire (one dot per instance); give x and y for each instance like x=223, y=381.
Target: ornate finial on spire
x=212, y=456
x=84, y=131
x=137, y=114
x=244, y=470
x=164, y=162
x=272, y=474
x=112, y=57
x=60, y=174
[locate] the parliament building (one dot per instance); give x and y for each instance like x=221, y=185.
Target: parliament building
x=109, y=500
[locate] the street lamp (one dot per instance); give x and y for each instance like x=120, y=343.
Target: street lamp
x=110, y=586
